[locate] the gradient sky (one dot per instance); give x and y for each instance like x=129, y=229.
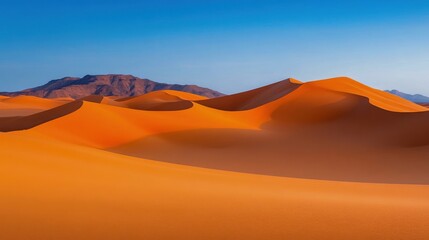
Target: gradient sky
x=227, y=45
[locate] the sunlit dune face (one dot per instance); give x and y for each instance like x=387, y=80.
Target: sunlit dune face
x=290, y=160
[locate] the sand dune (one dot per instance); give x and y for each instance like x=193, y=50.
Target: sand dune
x=27, y=105
x=103, y=126
x=253, y=98
x=30, y=101
x=327, y=159
x=376, y=97
x=93, y=98
x=328, y=135
x=8, y=124
x=160, y=101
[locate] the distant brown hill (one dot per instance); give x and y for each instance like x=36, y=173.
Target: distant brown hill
x=106, y=85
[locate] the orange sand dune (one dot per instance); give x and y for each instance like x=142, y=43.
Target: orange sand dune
x=103, y=126
x=27, y=105
x=165, y=100
x=30, y=101
x=93, y=98
x=253, y=98
x=158, y=100
x=312, y=132
x=344, y=145
x=8, y=124
x=377, y=97
x=153, y=166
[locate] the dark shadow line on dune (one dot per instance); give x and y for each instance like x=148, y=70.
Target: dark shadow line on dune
x=9, y=124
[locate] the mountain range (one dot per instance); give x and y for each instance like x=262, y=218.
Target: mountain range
x=106, y=85
x=128, y=86
x=417, y=98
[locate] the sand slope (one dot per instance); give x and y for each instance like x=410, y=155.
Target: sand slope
x=312, y=132
x=27, y=105
x=160, y=101
x=328, y=159
x=81, y=193
x=253, y=98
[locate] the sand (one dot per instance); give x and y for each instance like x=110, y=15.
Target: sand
x=328, y=159
x=27, y=105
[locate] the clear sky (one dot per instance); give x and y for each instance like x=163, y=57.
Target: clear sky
x=227, y=45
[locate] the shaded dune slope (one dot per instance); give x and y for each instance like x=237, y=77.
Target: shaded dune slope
x=8, y=124
x=27, y=105
x=93, y=98
x=160, y=101
x=253, y=98
x=376, y=97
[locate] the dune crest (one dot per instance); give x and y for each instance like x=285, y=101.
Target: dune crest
x=160, y=101
x=376, y=97
x=253, y=98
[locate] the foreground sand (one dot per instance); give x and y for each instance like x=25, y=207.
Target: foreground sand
x=322, y=160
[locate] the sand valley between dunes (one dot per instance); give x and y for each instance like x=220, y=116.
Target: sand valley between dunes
x=326, y=159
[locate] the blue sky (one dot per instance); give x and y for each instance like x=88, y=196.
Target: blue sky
x=229, y=46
